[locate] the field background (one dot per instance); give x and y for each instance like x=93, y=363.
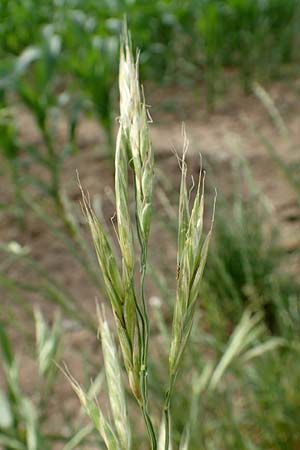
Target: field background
x=228, y=70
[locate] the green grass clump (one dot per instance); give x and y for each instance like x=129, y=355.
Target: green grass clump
x=247, y=258
x=20, y=420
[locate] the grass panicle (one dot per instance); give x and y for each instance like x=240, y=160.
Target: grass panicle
x=191, y=258
x=124, y=290
x=133, y=151
x=134, y=127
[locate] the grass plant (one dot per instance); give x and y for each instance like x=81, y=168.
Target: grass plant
x=133, y=150
x=129, y=308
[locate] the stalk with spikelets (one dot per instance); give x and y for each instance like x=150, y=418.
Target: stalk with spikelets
x=191, y=258
x=132, y=149
x=134, y=152
x=115, y=289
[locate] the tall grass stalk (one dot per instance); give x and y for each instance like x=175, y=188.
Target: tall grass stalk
x=191, y=258
x=133, y=148
x=127, y=297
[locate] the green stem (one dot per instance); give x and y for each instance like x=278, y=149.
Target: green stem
x=144, y=356
x=144, y=319
x=145, y=349
x=167, y=411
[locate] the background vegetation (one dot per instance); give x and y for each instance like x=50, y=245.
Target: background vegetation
x=239, y=380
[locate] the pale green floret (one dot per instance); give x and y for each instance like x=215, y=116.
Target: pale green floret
x=121, y=192
x=94, y=411
x=134, y=121
x=191, y=258
x=117, y=292
x=116, y=389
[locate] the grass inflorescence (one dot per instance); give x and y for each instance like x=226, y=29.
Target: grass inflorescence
x=129, y=306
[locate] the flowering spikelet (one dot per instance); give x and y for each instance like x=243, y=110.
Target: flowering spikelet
x=116, y=389
x=134, y=121
x=125, y=238
x=191, y=258
x=116, y=293
x=95, y=413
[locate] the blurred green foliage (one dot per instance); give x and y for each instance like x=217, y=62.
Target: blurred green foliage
x=180, y=40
